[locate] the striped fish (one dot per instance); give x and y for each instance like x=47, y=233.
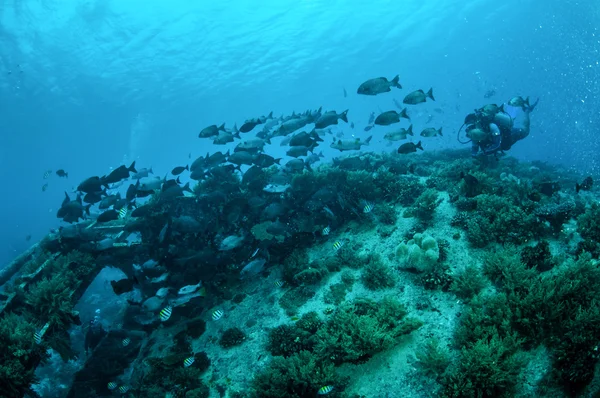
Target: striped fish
x=326, y=230
x=279, y=283
x=126, y=342
x=337, y=245
x=123, y=389
x=217, y=314
x=112, y=385
x=325, y=390
x=37, y=337
x=165, y=313
x=122, y=213
x=368, y=207
x=188, y=362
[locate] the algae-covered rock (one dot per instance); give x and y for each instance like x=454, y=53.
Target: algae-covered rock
x=421, y=252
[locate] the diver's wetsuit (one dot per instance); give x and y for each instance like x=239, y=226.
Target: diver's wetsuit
x=502, y=139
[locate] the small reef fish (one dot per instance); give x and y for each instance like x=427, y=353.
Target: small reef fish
x=188, y=362
x=123, y=389
x=217, y=314
x=111, y=385
x=47, y=174
x=44, y=187
x=165, y=313
x=418, y=97
x=409, y=147
x=326, y=230
x=279, y=283
x=62, y=173
x=368, y=207
x=325, y=390
x=122, y=213
x=378, y=85
x=189, y=288
x=126, y=341
x=337, y=245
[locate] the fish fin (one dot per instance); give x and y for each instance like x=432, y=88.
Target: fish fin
x=186, y=187
x=150, y=171
x=177, y=180
x=409, y=130
x=440, y=132
x=321, y=154
x=430, y=93
x=344, y=116
x=66, y=175
x=396, y=81
x=419, y=145
x=221, y=127
x=268, y=140
x=236, y=134
x=277, y=160
x=132, y=167
x=187, y=167
x=404, y=114
x=270, y=115
x=368, y=140
x=202, y=291
x=87, y=209
x=308, y=167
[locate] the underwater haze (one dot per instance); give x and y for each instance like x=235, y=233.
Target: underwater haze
x=88, y=85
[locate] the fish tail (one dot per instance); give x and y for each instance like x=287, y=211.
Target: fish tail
x=132, y=167
x=404, y=114
x=409, y=130
x=396, y=81
x=440, y=132
x=430, y=93
x=344, y=116
x=221, y=127
x=419, y=145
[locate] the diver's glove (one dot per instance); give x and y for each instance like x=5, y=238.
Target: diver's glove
x=530, y=108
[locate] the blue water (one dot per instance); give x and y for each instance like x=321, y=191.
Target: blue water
x=89, y=85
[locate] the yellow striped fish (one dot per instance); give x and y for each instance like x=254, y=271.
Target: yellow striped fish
x=337, y=245
x=279, y=283
x=112, y=385
x=368, y=207
x=122, y=213
x=165, y=313
x=217, y=314
x=325, y=390
x=188, y=362
x=123, y=389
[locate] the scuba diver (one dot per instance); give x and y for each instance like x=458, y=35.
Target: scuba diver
x=95, y=333
x=491, y=129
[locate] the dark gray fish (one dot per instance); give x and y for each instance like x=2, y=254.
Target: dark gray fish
x=241, y=157
x=92, y=184
x=296, y=166
x=345, y=93
x=225, y=137
x=72, y=210
x=418, y=97
x=390, y=117
x=264, y=160
x=369, y=127
x=109, y=201
x=118, y=174
x=211, y=131
x=178, y=170
x=330, y=118
x=108, y=215
x=431, y=132
x=93, y=197
x=409, y=147
x=305, y=139
x=297, y=151
x=62, y=173
x=141, y=211
x=378, y=85
x=586, y=184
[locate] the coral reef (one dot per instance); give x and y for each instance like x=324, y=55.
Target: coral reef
x=421, y=252
x=232, y=337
